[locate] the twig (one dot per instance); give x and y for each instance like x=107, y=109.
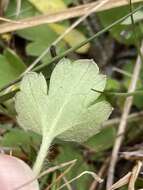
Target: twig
x=130, y=178
x=132, y=117
x=52, y=169
x=61, y=175
x=121, y=71
x=133, y=155
x=94, y=175
x=100, y=174
x=123, y=181
x=62, y=15
x=9, y=20
x=135, y=173
x=123, y=122
x=66, y=181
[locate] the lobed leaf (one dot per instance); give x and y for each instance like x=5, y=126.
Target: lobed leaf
x=71, y=110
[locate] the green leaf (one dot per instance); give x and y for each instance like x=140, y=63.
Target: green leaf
x=100, y=141
x=11, y=66
x=40, y=40
x=16, y=138
x=112, y=84
x=71, y=110
x=68, y=2
x=27, y=10
x=39, y=33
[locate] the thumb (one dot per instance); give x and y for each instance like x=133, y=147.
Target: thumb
x=14, y=173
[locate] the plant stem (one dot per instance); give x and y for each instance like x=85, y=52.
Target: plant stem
x=46, y=142
x=124, y=94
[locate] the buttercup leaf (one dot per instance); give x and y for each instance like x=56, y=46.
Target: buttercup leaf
x=71, y=110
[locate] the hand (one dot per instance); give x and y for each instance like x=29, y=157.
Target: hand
x=14, y=173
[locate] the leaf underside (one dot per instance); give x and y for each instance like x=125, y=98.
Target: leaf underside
x=71, y=110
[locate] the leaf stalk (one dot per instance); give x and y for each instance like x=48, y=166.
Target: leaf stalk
x=46, y=142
